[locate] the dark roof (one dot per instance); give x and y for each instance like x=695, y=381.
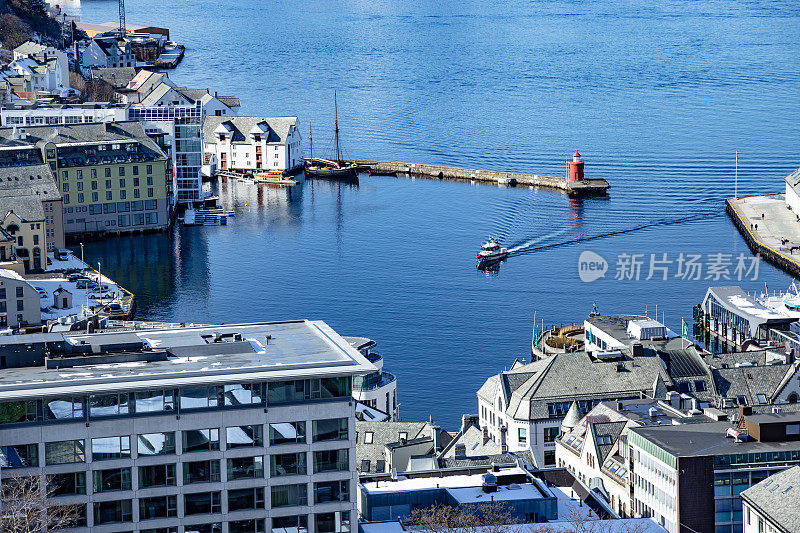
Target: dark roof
x=118, y=77
x=24, y=188
x=78, y=133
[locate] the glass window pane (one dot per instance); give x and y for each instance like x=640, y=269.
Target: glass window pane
x=287, y=433
x=156, y=443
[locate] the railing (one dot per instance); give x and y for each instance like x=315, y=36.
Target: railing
x=385, y=379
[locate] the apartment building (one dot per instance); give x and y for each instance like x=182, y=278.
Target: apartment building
x=252, y=144
x=222, y=429
x=108, y=52
x=30, y=208
x=689, y=478
x=112, y=177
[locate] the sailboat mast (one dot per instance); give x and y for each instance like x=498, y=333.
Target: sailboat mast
x=336, y=124
x=310, y=142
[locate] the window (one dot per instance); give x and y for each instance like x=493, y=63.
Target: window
x=20, y=455
x=114, y=511
x=80, y=185
x=290, y=524
x=65, y=451
x=246, y=468
x=158, y=507
x=199, y=397
x=95, y=198
x=111, y=480
x=136, y=193
x=200, y=472
x=288, y=464
x=67, y=484
x=244, y=436
x=94, y=185
x=326, y=522
x=108, y=404
x=156, y=443
x=308, y=389
x=245, y=394
x=200, y=440
x=111, y=448
x=21, y=411
x=156, y=476
x=246, y=526
x=136, y=170
x=368, y=437
x=215, y=527
x=107, y=173
x=149, y=180
x=63, y=408
x=287, y=433
x=109, y=196
x=108, y=184
x=522, y=435
x=149, y=169
x=123, y=194
x=331, y=429
x=761, y=398
x=331, y=461
x=549, y=457
x=700, y=386
x=550, y=434
x=94, y=174
x=289, y=495
x=121, y=173
x=741, y=400
x=239, y=500
x=332, y=491
x=793, y=429
x=201, y=503
x=155, y=401
x=65, y=187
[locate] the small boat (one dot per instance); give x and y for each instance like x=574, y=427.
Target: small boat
x=491, y=252
x=330, y=169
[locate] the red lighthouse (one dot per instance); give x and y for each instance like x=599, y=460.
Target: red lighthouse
x=576, y=168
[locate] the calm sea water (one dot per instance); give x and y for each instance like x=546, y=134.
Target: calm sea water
x=657, y=97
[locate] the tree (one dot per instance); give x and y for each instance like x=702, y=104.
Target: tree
x=489, y=517
x=98, y=90
x=27, y=506
x=13, y=31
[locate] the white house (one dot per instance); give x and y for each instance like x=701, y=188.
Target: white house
x=19, y=302
x=793, y=191
x=38, y=69
x=270, y=144
x=43, y=52
x=770, y=506
x=108, y=52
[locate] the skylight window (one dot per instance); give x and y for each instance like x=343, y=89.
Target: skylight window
x=368, y=436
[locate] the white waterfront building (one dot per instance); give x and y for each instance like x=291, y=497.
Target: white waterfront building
x=251, y=144
x=220, y=429
x=40, y=114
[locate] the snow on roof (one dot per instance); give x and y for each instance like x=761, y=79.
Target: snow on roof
x=420, y=483
x=10, y=274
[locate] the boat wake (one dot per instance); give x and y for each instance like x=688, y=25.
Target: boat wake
x=658, y=223
x=522, y=246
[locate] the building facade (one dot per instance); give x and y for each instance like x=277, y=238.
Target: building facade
x=770, y=506
x=249, y=446
x=18, y=114
x=378, y=389
x=108, y=52
x=689, y=478
x=19, y=301
x=30, y=207
x=111, y=176
x=252, y=144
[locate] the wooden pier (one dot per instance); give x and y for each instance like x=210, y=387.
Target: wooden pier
x=582, y=188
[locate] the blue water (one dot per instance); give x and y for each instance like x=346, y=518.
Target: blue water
x=657, y=96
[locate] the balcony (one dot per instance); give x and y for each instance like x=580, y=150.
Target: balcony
x=373, y=381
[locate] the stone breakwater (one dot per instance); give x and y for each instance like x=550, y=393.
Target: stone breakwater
x=586, y=187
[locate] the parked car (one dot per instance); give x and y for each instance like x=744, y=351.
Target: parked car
x=62, y=254
x=75, y=276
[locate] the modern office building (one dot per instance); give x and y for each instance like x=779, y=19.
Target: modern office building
x=112, y=177
x=688, y=478
x=222, y=429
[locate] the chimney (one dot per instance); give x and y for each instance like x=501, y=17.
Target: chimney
x=466, y=422
x=461, y=451
x=503, y=443
x=435, y=431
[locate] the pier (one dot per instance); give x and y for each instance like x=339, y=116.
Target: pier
x=573, y=188
x=769, y=227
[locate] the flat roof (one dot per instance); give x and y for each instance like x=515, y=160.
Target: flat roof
x=698, y=440
x=405, y=484
x=513, y=491
x=295, y=349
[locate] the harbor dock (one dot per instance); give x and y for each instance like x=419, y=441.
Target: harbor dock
x=769, y=227
x=573, y=188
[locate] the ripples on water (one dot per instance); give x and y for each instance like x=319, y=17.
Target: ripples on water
x=656, y=96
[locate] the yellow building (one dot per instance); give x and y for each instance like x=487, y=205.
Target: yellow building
x=111, y=176
x=30, y=211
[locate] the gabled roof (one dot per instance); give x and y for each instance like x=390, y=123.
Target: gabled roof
x=241, y=126
x=777, y=499
x=24, y=188
x=116, y=77
x=156, y=94
x=749, y=381
x=383, y=434
x=230, y=101
x=30, y=48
